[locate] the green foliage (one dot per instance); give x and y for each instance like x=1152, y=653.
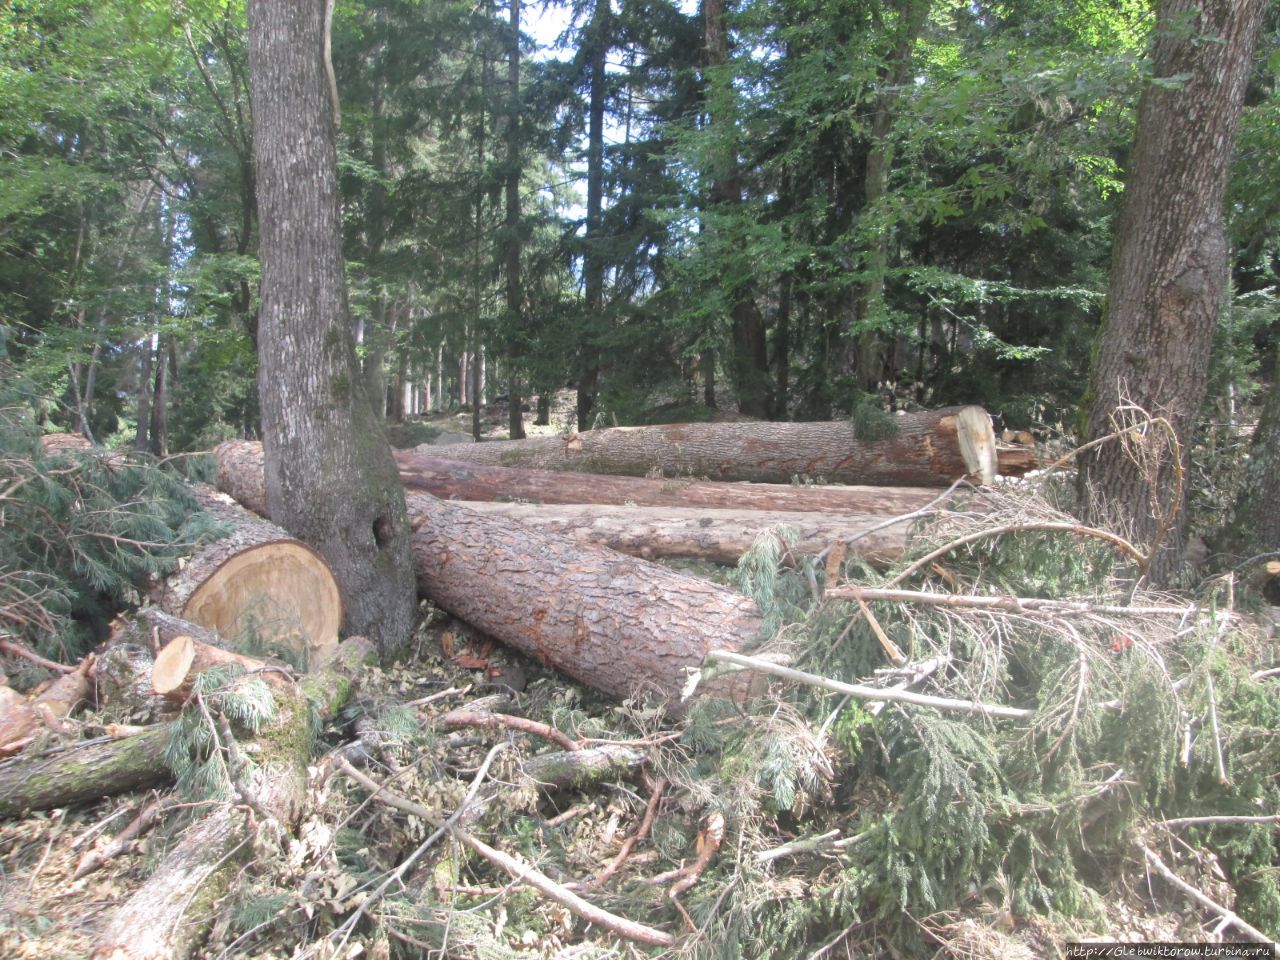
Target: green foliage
x=195, y=751
x=82, y=530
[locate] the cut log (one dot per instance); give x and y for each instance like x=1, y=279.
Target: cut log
x=720, y=536
x=256, y=581
x=168, y=916
x=84, y=773
x=240, y=473
x=927, y=449
x=619, y=624
x=184, y=659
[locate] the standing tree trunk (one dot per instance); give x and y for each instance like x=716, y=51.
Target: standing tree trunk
x=593, y=252
x=331, y=480
x=897, y=72
x=515, y=313
x=748, y=355
x=1255, y=527
x=1169, y=273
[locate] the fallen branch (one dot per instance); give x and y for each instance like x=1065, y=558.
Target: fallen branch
x=861, y=692
x=464, y=717
x=709, y=839
x=13, y=649
x=124, y=840
x=1120, y=543
x=642, y=831
x=1230, y=916
x=1058, y=608
x=1177, y=822
x=518, y=869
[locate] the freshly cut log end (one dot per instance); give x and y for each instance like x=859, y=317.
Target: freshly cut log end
x=256, y=580
x=977, y=440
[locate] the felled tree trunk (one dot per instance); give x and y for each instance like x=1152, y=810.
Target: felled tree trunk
x=451, y=480
x=927, y=449
x=240, y=469
x=619, y=624
x=721, y=536
x=257, y=579
x=168, y=916
x=81, y=774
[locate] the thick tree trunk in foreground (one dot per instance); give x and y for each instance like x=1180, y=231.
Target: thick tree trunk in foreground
x=721, y=536
x=1169, y=273
x=330, y=477
x=926, y=449
x=621, y=625
x=240, y=473
x=258, y=579
x=169, y=915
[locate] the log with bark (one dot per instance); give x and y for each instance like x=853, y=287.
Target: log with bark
x=256, y=580
x=928, y=449
x=240, y=475
x=84, y=772
x=169, y=915
x=619, y=624
x=720, y=536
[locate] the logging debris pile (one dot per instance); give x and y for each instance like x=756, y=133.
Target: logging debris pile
x=985, y=746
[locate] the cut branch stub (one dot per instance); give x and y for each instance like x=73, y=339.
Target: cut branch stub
x=257, y=580
x=184, y=659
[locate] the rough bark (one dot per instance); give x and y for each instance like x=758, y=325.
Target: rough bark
x=515, y=306
x=83, y=773
x=924, y=450
x=169, y=915
x=330, y=477
x=258, y=579
x=1169, y=272
x=720, y=536
x=240, y=472
x=619, y=624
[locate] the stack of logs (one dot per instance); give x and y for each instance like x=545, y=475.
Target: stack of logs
x=545, y=544
x=507, y=536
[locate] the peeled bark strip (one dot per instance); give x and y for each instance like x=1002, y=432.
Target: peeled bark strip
x=168, y=916
x=619, y=624
x=721, y=536
x=925, y=450
x=240, y=471
x=258, y=579
x=82, y=774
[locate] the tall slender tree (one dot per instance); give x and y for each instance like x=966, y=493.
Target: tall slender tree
x=1169, y=273
x=330, y=477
